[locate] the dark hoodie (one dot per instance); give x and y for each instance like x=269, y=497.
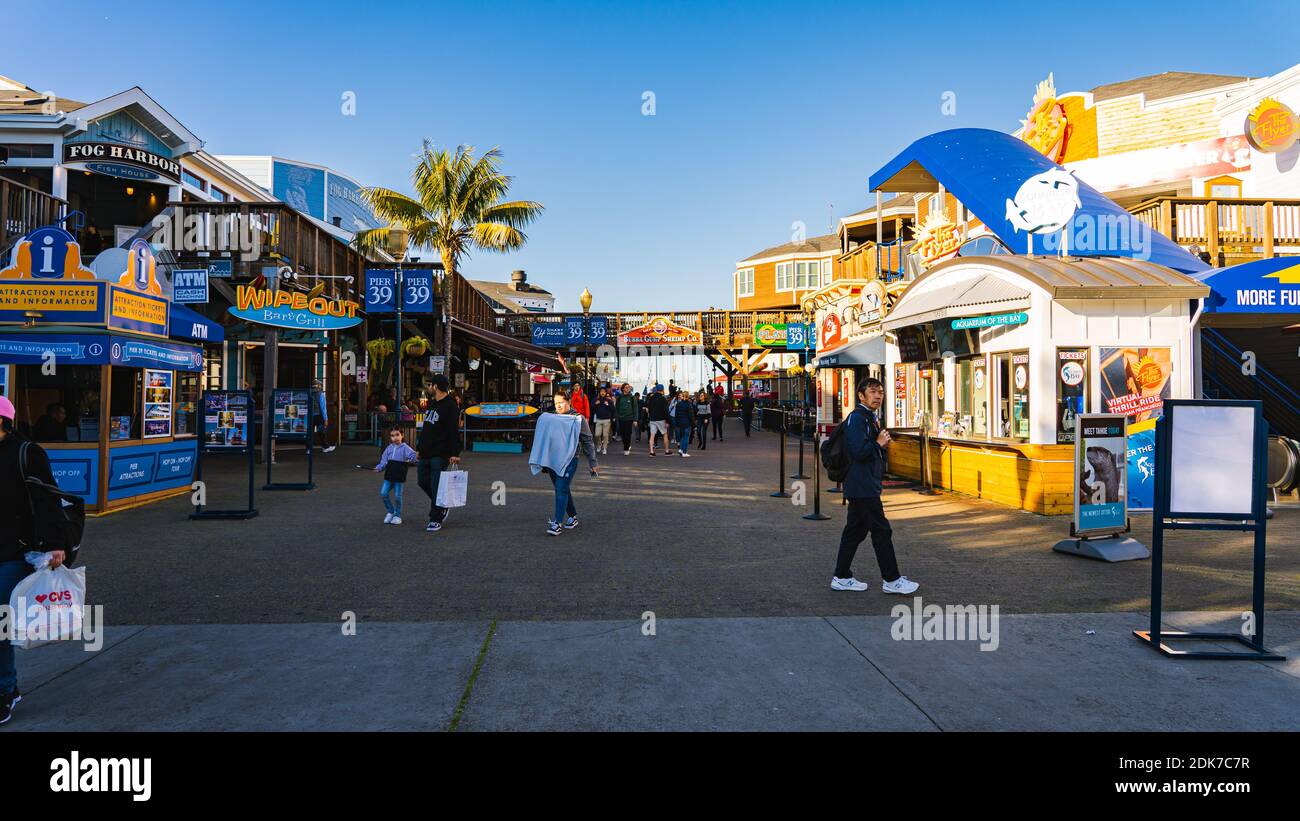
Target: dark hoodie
x=18, y=531
x=440, y=434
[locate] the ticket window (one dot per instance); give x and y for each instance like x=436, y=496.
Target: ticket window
x=125, y=396
x=1012, y=373
x=58, y=404
x=979, y=406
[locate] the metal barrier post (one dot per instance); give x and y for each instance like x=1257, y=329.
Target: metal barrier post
x=817, y=515
x=927, y=474
x=803, y=425
x=780, y=476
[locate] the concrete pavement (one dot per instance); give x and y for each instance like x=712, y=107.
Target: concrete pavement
x=811, y=673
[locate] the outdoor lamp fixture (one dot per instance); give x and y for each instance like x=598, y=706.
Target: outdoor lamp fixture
x=395, y=244
x=130, y=192
x=584, y=299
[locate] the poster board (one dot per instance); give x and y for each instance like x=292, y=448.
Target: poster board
x=225, y=420
x=1100, y=474
x=1212, y=470
x=289, y=413
x=158, y=387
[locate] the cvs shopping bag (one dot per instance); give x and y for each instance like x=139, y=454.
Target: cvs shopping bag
x=453, y=486
x=46, y=606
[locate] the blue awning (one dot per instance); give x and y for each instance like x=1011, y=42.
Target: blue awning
x=190, y=324
x=1265, y=286
x=1015, y=190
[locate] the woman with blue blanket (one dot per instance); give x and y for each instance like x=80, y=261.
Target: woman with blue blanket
x=556, y=442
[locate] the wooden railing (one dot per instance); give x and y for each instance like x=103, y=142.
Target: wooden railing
x=719, y=329
x=870, y=261
x=23, y=209
x=1230, y=230
x=283, y=236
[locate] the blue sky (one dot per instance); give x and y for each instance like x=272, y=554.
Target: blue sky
x=766, y=113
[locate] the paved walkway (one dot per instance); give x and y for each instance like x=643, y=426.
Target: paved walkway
x=236, y=625
x=1049, y=672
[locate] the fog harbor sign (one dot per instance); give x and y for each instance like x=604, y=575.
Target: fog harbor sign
x=124, y=161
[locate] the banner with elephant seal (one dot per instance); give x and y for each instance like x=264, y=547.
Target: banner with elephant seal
x=1101, y=474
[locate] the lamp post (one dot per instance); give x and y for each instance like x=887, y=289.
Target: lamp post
x=396, y=243
x=584, y=299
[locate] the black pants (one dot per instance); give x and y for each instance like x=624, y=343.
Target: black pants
x=717, y=426
x=625, y=433
x=701, y=428
x=747, y=421
x=867, y=516
x=427, y=475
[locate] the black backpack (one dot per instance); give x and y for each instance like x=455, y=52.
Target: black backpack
x=68, y=525
x=835, y=454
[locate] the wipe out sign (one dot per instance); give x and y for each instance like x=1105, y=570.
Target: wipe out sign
x=293, y=309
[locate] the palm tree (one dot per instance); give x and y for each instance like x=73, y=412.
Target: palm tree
x=459, y=205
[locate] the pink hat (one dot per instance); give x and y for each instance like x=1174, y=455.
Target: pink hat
x=6, y=408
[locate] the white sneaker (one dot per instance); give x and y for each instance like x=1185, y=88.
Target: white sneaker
x=626, y=452
x=397, y=520
x=686, y=455
x=329, y=449
x=901, y=585
x=388, y=517
x=848, y=584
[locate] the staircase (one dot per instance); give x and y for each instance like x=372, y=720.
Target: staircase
x=1276, y=378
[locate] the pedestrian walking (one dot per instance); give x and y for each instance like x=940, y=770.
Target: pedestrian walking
x=658, y=415
x=27, y=514
x=866, y=442
x=703, y=411
x=642, y=417
x=321, y=420
x=438, y=447
x=578, y=400
x=627, y=408
x=556, y=441
x=747, y=412
x=396, y=460
x=683, y=414
x=603, y=416
x=717, y=413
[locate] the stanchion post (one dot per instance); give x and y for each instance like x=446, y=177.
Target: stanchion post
x=927, y=475
x=799, y=474
x=817, y=515
x=780, y=476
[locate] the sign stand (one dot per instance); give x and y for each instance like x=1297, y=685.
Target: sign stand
x=307, y=485
x=1101, y=525
x=201, y=511
x=1202, y=426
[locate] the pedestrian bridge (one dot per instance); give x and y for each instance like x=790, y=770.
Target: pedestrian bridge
x=718, y=330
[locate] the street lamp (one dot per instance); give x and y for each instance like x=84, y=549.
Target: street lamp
x=584, y=299
x=396, y=245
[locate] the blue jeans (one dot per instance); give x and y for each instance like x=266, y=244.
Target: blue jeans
x=563, y=496
x=10, y=574
x=683, y=438
x=427, y=477
x=394, y=504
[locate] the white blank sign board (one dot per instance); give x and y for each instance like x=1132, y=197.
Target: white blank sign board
x=1212, y=459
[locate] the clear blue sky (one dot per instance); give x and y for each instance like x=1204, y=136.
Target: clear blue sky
x=767, y=113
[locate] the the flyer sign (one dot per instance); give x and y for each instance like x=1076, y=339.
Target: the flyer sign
x=1071, y=391
x=225, y=419
x=1135, y=381
x=1142, y=465
x=289, y=413
x=1100, y=474
x=157, y=404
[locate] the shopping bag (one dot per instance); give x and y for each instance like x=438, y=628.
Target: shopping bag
x=47, y=606
x=453, y=486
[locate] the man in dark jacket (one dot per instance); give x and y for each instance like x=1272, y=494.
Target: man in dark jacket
x=717, y=413
x=438, y=446
x=747, y=411
x=22, y=510
x=628, y=409
x=657, y=410
x=866, y=442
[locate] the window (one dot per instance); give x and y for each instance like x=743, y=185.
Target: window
x=1224, y=187
x=1013, y=395
x=806, y=275
x=745, y=282
x=785, y=276
x=192, y=180
x=826, y=272
x=219, y=195
x=28, y=151
x=62, y=406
